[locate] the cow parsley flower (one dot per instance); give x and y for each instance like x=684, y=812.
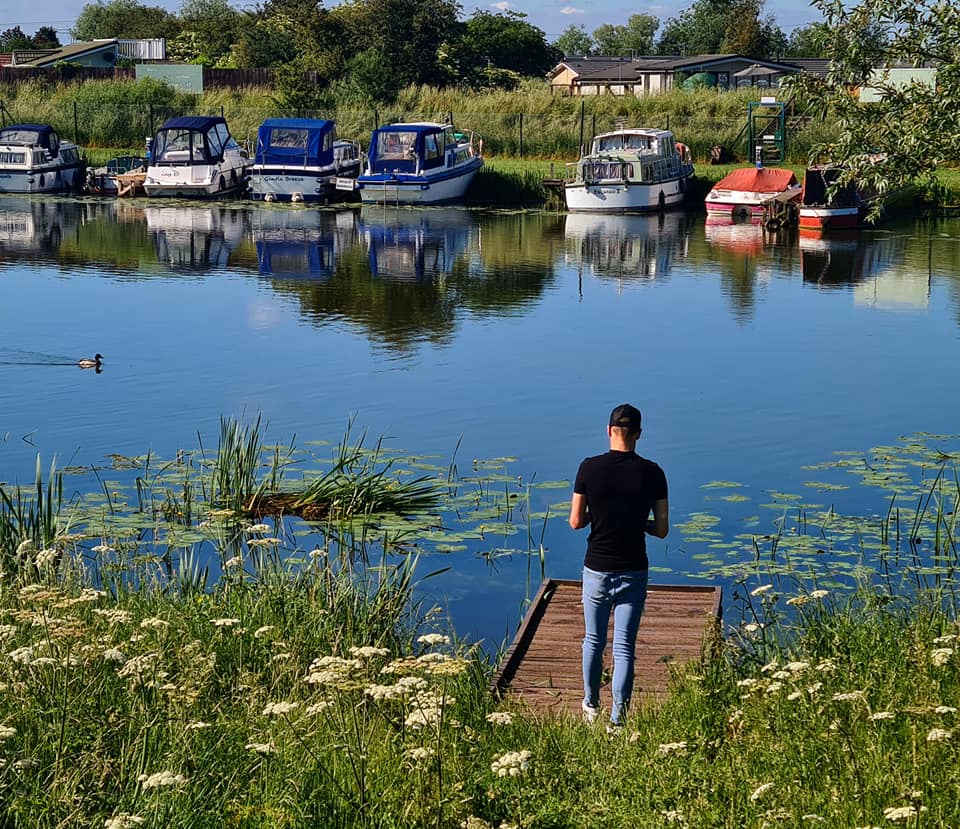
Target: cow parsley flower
x=511, y=763
x=124, y=820
x=161, y=779
x=500, y=718
x=938, y=735
x=431, y=639
x=760, y=791
x=672, y=748
x=941, y=656
x=763, y=588
x=273, y=709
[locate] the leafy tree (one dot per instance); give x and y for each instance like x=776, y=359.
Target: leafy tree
x=635, y=38
x=507, y=41
x=717, y=26
x=124, y=18
x=215, y=26
x=915, y=127
x=13, y=39
x=574, y=41
x=407, y=35
x=808, y=41
x=46, y=38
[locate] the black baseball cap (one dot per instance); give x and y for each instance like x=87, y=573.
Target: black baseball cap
x=626, y=417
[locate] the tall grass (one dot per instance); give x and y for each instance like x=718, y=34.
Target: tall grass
x=531, y=121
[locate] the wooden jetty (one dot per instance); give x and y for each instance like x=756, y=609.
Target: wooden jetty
x=131, y=184
x=542, y=667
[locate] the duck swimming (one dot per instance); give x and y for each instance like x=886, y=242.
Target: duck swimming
x=87, y=362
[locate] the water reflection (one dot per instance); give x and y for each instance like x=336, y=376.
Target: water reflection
x=412, y=244
x=641, y=246
x=847, y=259
x=301, y=242
x=195, y=238
x=747, y=255
x=35, y=228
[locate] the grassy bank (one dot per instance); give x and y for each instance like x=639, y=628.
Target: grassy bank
x=310, y=687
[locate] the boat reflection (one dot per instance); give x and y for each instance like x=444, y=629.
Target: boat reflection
x=846, y=258
x=295, y=242
x=195, y=238
x=642, y=246
x=29, y=226
x=409, y=244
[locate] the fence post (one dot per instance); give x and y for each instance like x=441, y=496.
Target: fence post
x=76, y=130
x=668, y=121
x=521, y=135
x=152, y=131
x=221, y=111
x=376, y=119
x=593, y=125
x=580, y=148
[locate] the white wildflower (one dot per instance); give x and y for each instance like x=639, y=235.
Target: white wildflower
x=161, y=779
x=780, y=675
x=260, y=632
x=500, y=718
x=938, y=735
x=114, y=655
x=24, y=655
x=847, y=696
x=796, y=601
x=224, y=623
x=273, y=709
x=261, y=748
x=412, y=684
x=511, y=763
x=819, y=594
x=113, y=615
x=46, y=557
x=368, y=652
x=770, y=666
x=7, y=632
x=796, y=667
x=419, y=754
x=7, y=731
x=230, y=563
x=945, y=639
x=258, y=528
x=901, y=812
x=154, y=623
x=124, y=820
x=746, y=683
x=384, y=693
x=760, y=791
x=881, y=715
x=751, y=627
x=672, y=748
x=944, y=709
x=773, y=687
x=317, y=707
x=941, y=656
x=103, y=549
x=759, y=591
x=433, y=639
x=196, y=725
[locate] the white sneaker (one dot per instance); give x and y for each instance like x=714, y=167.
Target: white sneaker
x=590, y=712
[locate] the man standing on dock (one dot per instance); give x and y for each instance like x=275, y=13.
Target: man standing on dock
x=614, y=493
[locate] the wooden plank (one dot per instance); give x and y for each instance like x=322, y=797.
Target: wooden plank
x=542, y=666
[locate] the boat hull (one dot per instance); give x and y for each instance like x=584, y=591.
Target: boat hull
x=402, y=188
x=51, y=178
x=624, y=197
x=829, y=218
x=299, y=184
x=746, y=205
x=195, y=182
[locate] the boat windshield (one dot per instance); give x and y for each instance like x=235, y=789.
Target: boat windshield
x=19, y=135
x=179, y=145
x=625, y=141
x=395, y=145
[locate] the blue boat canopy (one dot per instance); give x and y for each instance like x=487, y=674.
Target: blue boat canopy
x=39, y=135
x=305, y=142
x=398, y=147
x=192, y=139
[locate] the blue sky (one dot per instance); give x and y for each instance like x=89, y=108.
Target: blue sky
x=553, y=16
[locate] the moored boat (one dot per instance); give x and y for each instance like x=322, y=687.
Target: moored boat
x=196, y=157
x=103, y=181
x=748, y=193
x=629, y=171
x=34, y=159
x=829, y=203
x=419, y=163
x=301, y=159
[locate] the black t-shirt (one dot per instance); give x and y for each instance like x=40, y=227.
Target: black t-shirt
x=620, y=488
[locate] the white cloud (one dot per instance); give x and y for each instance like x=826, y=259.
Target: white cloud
x=571, y=10
x=503, y=5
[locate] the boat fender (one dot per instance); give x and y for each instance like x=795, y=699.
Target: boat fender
x=661, y=201
x=480, y=148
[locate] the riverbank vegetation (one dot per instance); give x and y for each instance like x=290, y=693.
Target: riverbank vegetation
x=297, y=683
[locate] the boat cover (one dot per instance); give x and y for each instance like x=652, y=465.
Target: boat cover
x=757, y=180
x=39, y=135
x=294, y=140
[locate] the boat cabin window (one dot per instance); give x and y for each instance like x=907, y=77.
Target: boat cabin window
x=179, y=145
x=395, y=145
x=600, y=170
x=288, y=138
x=19, y=136
x=431, y=147
x=13, y=158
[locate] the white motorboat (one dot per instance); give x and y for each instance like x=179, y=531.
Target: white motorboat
x=419, y=163
x=196, y=157
x=34, y=159
x=301, y=160
x=629, y=171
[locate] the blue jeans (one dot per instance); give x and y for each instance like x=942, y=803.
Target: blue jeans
x=624, y=594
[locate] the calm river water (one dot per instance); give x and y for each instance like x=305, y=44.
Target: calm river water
x=750, y=355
